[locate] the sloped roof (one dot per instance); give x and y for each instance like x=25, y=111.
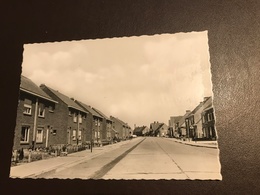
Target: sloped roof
x=120, y=121
x=182, y=120
x=156, y=125
x=70, y=103
x=101, y=114
x=139, y=129
x=88, y=109
x=27, y=85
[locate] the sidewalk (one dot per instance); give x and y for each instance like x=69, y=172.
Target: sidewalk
x=206, y=144
x=39, y=167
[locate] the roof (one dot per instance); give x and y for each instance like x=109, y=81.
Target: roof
x=120, y=121
x=156, y=125
x=88, y=109
x=70, y=103
x=182, y=120
x=102, y=114
x=30, y=87
x=139, y=129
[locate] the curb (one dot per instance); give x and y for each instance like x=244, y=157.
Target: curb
x=63, y=166
x=190, y=144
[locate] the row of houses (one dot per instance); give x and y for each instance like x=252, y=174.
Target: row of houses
x=46, y=117
x=198, y=124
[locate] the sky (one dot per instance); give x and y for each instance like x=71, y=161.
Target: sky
x=136, y=79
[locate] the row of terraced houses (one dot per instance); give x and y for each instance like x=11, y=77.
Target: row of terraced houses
x=198, y=124
x=46, y=117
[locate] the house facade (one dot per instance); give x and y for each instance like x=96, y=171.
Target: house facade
x=36, y=113
x=122, y=129
x=140, y=131
x=173, y=131
x=180, y=125
x=96, y=126
x=159, y=129
x=208, y=123
x=193, y=121
x=70, y=118
x=107, y=133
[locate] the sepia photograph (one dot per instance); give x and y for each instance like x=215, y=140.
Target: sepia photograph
x=118, y=108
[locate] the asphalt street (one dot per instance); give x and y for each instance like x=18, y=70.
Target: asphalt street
x=147, y=158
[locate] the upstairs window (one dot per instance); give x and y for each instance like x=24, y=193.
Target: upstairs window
x=80, y=118
x=41, y=110
x=25, y=134
x=74, y=117
x=27, y=107
x=51, y=108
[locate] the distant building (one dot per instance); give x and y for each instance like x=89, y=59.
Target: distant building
x=96, y=126
x=173, y=131
x=70, y=118
x=180, y=125
x=159, y=129
x=141, y=131
x=107, y=126
x=36, y=118
x=121, y=128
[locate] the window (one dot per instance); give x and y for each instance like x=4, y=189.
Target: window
x=39, y=135
x=98, y=134
x=54, y=132
x=27, y=107
x=80, y=118
x=75, y=118
x=74, y=135
x=41, y=110
x=25, y=134
x=69, y=113
x=79, y=136
x=51, y=108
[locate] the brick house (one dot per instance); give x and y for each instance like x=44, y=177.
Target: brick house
x=159, y=129
x=121, y=128
x=208, y=123
x=141, y=131
x=35, y=122
x=107, y=126
x=193, y=121
x=96, y=123
x=180, y=126
x=70, y=118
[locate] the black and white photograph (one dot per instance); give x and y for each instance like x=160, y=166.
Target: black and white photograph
x=123, y=108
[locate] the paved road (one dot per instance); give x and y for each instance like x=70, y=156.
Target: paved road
x=148, y=158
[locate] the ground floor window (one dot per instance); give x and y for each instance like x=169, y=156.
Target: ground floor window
x=39, y=136
x=25, y=134
x=74, y=135
x=79, y=135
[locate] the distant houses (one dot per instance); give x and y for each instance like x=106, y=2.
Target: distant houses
x=122, y=128
x=141, y=131
x=47, y=117
x=159, y=129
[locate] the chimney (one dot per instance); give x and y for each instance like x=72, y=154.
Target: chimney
x=205, y=98
x=72, y=99
x=187, y=111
